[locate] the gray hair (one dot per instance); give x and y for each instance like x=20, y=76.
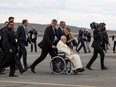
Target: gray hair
x=54, y=20
x=63, y=37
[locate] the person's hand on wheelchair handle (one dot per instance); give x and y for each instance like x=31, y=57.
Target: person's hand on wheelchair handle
x=54, y=47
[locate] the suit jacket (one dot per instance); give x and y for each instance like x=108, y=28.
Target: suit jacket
x=48, y=39
x=96, y=40
x=60, y=33
x=9, y=40
x=21, y=36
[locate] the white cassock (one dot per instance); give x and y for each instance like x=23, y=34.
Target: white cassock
x=75, y=58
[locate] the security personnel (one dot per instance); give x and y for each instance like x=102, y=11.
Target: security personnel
x=1, y=39
x=48, y=44
x=10, y=50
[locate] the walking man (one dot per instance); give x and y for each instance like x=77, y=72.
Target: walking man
x=22, y=36
x=48, y=44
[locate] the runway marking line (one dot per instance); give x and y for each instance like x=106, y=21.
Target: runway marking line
x=49, y=84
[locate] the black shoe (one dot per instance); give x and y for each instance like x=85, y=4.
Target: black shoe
x=13, y=75
x=2, y=73
x=80, y=70
x=89, y=68
x=75, y=72
x=32, y=69
x=3, y=70
x=104, y=68
x=77, y=51
x=85, y=52
x=26, y=68
x=22, y=71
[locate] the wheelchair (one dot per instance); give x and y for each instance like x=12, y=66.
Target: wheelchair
x=62, y=65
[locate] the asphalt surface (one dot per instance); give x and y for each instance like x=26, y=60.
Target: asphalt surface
x=44, y=78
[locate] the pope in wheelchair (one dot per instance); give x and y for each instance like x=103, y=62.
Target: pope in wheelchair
x=59, y=64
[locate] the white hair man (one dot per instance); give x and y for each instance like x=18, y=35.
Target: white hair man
x=75, y=58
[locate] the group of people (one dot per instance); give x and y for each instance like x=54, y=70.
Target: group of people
x=9, y=48
x=57, y=40
x=12, y=46
x=62, y=40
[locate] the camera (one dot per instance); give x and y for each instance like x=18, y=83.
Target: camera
x=94, y=25
x=98, y=26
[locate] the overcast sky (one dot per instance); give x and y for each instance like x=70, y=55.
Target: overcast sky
x=75, y=12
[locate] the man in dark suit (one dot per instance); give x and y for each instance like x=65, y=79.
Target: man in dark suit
x=33, y=36
x=22, y=36
x=60, y=31
x=1, y=38
x=97, y=35
x=2, y=54
x=10, y=50
x=10, y=19
x=81, y=39
x=48, y=44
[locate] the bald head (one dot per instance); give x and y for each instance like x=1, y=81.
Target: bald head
x=63, y=39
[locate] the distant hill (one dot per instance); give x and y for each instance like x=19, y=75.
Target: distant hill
x=41, y=27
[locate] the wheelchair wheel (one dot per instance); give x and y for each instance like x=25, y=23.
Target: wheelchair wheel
x=58, y=65
x=69, y=66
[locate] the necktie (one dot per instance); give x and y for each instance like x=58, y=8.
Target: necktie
x=54, y=31
x=26, y=33
x=55, y=38
x=63, y=32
